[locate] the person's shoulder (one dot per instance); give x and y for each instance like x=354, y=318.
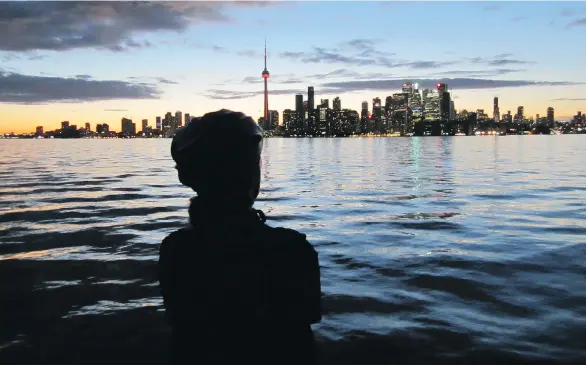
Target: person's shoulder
x=289, y=239
x=175, y=238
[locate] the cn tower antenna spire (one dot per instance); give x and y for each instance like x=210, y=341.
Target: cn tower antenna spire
x=265, y=75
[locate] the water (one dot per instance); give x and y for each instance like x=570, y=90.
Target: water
x=433, y=250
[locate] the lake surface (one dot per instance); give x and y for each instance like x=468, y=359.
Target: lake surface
x=433, y=250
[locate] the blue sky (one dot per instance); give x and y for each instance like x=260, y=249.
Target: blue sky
x=197, y=57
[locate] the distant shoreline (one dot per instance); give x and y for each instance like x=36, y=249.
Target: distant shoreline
x=312, y=137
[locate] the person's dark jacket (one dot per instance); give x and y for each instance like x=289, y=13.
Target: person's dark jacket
x=238, y=291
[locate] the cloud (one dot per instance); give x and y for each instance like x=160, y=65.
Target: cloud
x=16, y=57
x=252, y=80
x=342, y=72
x=492, y=8
x=115, y=110
x=231, y=95
x=340, y=87
x=519, y=19
x=361, y=44
x=291, y=81
x=572, y=12
x=28, y=89
x=479, y=73
x=367, y=57
x=294, y=55
x=217, y=48
x=426, y=64
x=504, y=62
x=165, y=81
x=83, y=77
x=502, y=59
x=569, y=99
x=460, y=83
x=249, y=53
x=60, y=26
x=577, y=23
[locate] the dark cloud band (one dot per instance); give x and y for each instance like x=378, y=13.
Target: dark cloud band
x=27, y=89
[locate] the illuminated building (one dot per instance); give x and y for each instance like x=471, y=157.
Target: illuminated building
x=159, y=125
x=337, y=104
x=273, y=121
x=325, y=119
x=377, y=114
x=495, y=111
x=102, y=128
x=145, y=124
x=407, y=88
x=128, y=127
x=265, y=76
x=508, y=117
x=431, y=105
x=481, y=115
x=39, y=131
x=520, y=114
x=300, y=113
x=364, y=117
x=550, y=116
x=289, y=117
x=87, y=127
x=178, y=120
x=168, y=126
x=398, y=111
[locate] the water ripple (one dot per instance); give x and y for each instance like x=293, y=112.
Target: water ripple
x=432, y=250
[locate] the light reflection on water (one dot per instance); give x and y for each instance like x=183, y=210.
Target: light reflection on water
x=451, y=244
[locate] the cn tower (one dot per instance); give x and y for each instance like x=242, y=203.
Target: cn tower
x=265, y=76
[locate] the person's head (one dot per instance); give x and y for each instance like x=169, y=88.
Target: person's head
x=218, y=156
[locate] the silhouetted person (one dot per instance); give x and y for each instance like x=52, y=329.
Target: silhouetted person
x=236, y=291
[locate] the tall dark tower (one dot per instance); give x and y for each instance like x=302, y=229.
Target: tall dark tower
x=310, y=99
x=495, y=111
x=265, y=76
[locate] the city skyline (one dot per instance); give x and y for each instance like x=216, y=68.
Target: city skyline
x=184, y=56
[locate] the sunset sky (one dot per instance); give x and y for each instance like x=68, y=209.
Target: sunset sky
x=99, y=62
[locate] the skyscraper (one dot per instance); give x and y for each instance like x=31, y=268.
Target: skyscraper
x=299, y=113
x=445, y=104
x=87, y=127
x=265, y=76
x=289, y=117
x=364, y=117
x=273, y=119
x=550, y=116
x=377, y=112
x=128, y=127
x=310, y=99
x=521, y=112
x=441, y=88
x=178, y=119
x=496, y=114
x=39, y=131
x=187, y=118
x=337, y=104
x=431, y=105
x=64, y=124
x=407, y=88
x=145, y=124
x=158, y=121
